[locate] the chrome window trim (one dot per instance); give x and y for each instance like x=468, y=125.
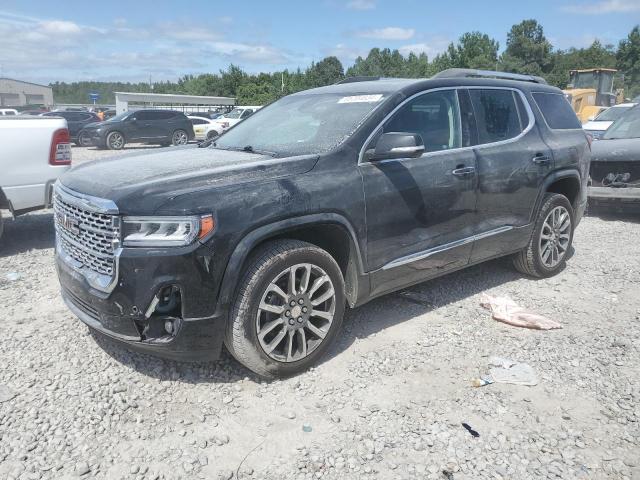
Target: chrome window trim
x=98, y=281
x=525, y=131
x=416, y=257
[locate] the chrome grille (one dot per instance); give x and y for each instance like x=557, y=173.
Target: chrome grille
x=89, y=237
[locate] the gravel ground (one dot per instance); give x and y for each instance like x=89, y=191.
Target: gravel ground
x=386, y=403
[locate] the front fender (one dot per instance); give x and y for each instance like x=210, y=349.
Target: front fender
x=246, y=245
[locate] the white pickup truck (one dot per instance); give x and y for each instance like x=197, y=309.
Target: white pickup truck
x=34, y=152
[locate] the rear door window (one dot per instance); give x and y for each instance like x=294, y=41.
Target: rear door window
x=557, y=111
x=497, y=114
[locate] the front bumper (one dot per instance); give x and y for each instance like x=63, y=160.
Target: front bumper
x=123, y=314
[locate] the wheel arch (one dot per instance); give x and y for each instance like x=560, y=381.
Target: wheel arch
x=565, y=182
x=328, y=231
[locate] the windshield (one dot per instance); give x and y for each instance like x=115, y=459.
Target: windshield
x=235, y=113
x=301, y=124
x=611, y=114
x=119, y=117
x=584, y=80
x=627, y=126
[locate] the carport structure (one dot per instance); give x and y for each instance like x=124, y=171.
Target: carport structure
x=171, y=101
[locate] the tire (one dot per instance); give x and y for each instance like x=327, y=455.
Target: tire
x=551, y=240
x=250, y=330
x=83, y=141
x=115, y=141
x=212, y=134
x=179, y=137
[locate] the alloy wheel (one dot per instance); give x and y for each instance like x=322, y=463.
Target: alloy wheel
x=180, y=137
x=555, y=236
x=296, y=312
x=116, y=141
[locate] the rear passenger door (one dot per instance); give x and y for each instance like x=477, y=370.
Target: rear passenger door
x=420, y=211
x=512, y=162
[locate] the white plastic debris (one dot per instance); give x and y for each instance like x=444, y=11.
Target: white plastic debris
x=505, y=310
x=505, y=370
x=13, y=276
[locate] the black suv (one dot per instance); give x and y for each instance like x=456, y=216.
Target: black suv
x=164, y=127
x=76, y=121
x=325, y=198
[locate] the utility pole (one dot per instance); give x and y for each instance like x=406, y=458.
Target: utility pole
x=282, y=82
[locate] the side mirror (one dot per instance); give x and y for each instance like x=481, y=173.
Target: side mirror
x=396, y=145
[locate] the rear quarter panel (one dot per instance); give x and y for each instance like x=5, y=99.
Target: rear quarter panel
x=24, y=159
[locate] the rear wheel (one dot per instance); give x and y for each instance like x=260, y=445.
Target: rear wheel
x=288, y=309
x=115, y=141
x=212, y=134
x=551, y=240
x=179, y=137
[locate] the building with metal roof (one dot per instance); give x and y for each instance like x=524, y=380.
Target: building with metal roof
x=17, y=93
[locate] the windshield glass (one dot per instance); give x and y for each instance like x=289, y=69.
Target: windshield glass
x=627, y=126
x=119, y=117
x=584, y=80
x=235, y=113
x=611, y=114
x=301, y=124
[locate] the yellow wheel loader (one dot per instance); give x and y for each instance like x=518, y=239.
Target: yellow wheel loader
x=591, y=90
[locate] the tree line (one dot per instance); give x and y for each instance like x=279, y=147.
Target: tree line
x=527, y=51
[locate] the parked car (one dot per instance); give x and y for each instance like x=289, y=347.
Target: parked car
x=164, y=127
x=8, y=111
x=76, y=121
x=615, y=165
x=325, y=198
x=34, y=152
x=228, y=120
x=201, y=126
x=597, y=126
x=32, y=112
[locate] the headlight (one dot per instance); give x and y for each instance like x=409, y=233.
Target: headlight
x=164, y=231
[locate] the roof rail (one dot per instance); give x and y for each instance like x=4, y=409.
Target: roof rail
x=358, y=78
x=472, y=73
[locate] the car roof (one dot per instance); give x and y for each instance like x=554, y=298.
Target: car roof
x=628, y=104
x=408, y=86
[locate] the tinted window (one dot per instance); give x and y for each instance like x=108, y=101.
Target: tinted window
x=496, y=115
x=165, y=115
x=557, y=111
x=197, y=121
x=246, y=113
x=144, y=115
x=434, y=116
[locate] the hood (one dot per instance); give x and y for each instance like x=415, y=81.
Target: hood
x=593, y=125
x=139, y=183
x=618, y=150
x=94, y=125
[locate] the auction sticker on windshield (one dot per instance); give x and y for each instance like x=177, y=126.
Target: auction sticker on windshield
x=361, y=99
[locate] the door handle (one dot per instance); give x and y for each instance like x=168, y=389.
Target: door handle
x=462, y=171
x=541, y=159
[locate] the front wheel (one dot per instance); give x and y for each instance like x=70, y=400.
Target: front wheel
x=179, y=137
x=212, y=134
x=115, y=141
x=546, y=253
x=83, y=140
x=288, y=309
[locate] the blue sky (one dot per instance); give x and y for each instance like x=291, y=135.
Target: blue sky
x=44, y=41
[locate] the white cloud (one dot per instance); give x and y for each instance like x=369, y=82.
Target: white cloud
x=605, y=6
x=361, y=4
x=345, y=53
x=431, y=47
x=243, y=52
x=387, y=33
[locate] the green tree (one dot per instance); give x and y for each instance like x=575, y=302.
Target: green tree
x=325, y=72
x=628, y=61
x=595, y=56
x=528, y=50
x=473, y=50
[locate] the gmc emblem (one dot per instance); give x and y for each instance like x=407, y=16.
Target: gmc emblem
x=70, y=224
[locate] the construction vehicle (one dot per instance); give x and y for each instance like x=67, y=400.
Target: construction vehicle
x=591, y=90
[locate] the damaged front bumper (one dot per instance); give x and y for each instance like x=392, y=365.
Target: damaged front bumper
x=162, y=302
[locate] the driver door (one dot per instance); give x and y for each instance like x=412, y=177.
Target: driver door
x=421, y=211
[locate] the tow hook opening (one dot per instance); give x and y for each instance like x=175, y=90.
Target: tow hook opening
x=162, y=318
